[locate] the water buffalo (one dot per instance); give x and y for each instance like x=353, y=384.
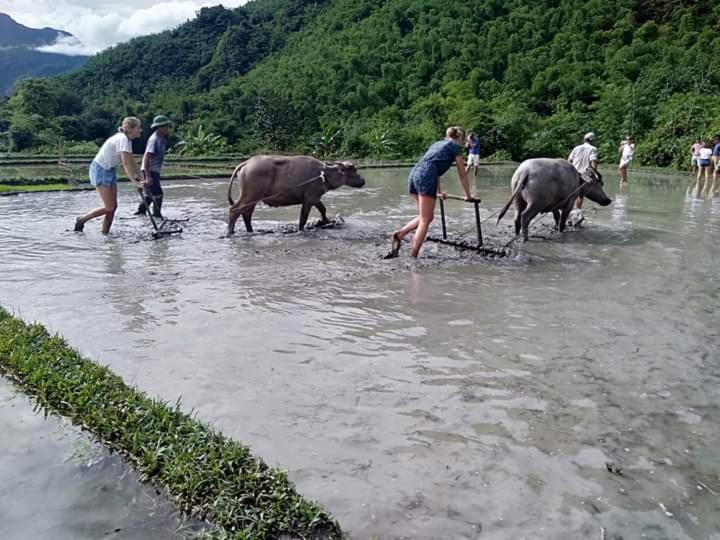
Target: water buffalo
x=287, y=180
x=550, y=185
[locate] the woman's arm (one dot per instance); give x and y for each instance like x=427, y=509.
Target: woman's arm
x=460, y=162
x=131, y=167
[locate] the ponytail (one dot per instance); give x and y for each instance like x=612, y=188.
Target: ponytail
x=455, y=132
x=128, y=123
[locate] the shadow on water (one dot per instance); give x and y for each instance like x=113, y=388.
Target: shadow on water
x=429, y=398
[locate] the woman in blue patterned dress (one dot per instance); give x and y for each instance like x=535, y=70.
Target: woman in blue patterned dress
x=424, y=186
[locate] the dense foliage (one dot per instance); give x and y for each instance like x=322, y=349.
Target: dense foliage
x=384, y=77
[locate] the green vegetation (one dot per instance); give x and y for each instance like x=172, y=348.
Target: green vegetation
x=381, y=79
x=208, y=475
x=5, y=188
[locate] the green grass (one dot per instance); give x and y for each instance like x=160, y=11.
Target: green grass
x=208, y=475
x=34, y=187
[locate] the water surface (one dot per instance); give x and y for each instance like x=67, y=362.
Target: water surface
x=453, y=397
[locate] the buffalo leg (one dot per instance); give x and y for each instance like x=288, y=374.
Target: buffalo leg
x=520, y=205
x=247, y=213
x=304, y=213
x=565, y=214
x=232, y=218
x=526, y=217
x=323, y=213
x=556, y=218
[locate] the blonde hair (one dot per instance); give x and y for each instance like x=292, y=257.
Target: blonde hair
x=455, y=132
x=129, y=123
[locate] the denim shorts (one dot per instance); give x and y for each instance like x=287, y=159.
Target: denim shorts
x=423, y=181
x=100, y=177
x=703, y=162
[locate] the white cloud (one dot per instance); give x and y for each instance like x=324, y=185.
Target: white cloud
x=98, y=25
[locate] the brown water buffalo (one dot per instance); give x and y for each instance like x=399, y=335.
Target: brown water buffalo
x=287, y=180
x=550, y=185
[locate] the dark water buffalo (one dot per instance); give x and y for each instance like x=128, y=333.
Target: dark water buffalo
x=287, y=180
x=550, y=185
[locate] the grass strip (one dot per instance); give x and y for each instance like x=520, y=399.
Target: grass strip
x=34, y=187
x=208, y=475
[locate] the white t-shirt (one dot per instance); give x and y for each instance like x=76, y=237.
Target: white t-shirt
x=705, y=153
x=628, y=149
x=582, y=155
x=108, y=157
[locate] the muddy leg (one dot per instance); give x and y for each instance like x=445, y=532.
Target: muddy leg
x=526, y=217
x=304, y=213
x=232, y=218
x=323, y=214
x=565, y=214
x=556, y=218
x=247, y=213
x=520, y=205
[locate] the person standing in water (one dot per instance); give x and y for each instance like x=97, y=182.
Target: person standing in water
x=583, y=157
x=703, y=162
x=424, y=186
x=627, y=151
x=473, y=145
x=152, y=165
x=103, y=172
x=694, y=151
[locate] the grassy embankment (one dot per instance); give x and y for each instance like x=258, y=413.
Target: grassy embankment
x=207, y=475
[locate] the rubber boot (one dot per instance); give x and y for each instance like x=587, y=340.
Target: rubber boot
x=157, y=206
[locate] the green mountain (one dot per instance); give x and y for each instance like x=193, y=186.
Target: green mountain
x=385, y=77
x=19, y=59
x=14, y=34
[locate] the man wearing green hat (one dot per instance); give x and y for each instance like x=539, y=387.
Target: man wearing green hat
x=152, y=164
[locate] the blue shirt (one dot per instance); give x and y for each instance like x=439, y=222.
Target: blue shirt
x=156, y=146
x=474, y=145
x=441, y=155
x=716, y=150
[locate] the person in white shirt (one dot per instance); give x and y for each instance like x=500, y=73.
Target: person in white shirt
x=704, y=155
x=103, y=172
x=627, y=152
x=583, y=157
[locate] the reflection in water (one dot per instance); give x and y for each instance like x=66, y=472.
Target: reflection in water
x=418, y=399
x=619, y=210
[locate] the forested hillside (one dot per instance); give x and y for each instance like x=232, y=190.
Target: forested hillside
x=384, y=77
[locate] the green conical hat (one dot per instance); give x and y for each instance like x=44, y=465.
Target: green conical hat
x=160, y=120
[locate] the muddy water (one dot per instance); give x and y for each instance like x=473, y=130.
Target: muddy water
x=55, y=483
x=455, y=397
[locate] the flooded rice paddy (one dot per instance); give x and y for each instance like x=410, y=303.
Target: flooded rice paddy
x=453, y=397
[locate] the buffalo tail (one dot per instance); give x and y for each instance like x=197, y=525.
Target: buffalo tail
x=518, y=188
x=232, y=179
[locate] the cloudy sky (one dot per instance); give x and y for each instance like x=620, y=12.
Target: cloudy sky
x=98, y=24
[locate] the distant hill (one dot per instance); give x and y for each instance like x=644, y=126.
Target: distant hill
x=14, y=34
x=18, y=58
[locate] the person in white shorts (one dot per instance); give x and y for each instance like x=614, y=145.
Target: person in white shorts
x=115, y=151
x=627, y=151
x=473, y=145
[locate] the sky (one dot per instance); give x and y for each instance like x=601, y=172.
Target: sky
x=98, y=24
